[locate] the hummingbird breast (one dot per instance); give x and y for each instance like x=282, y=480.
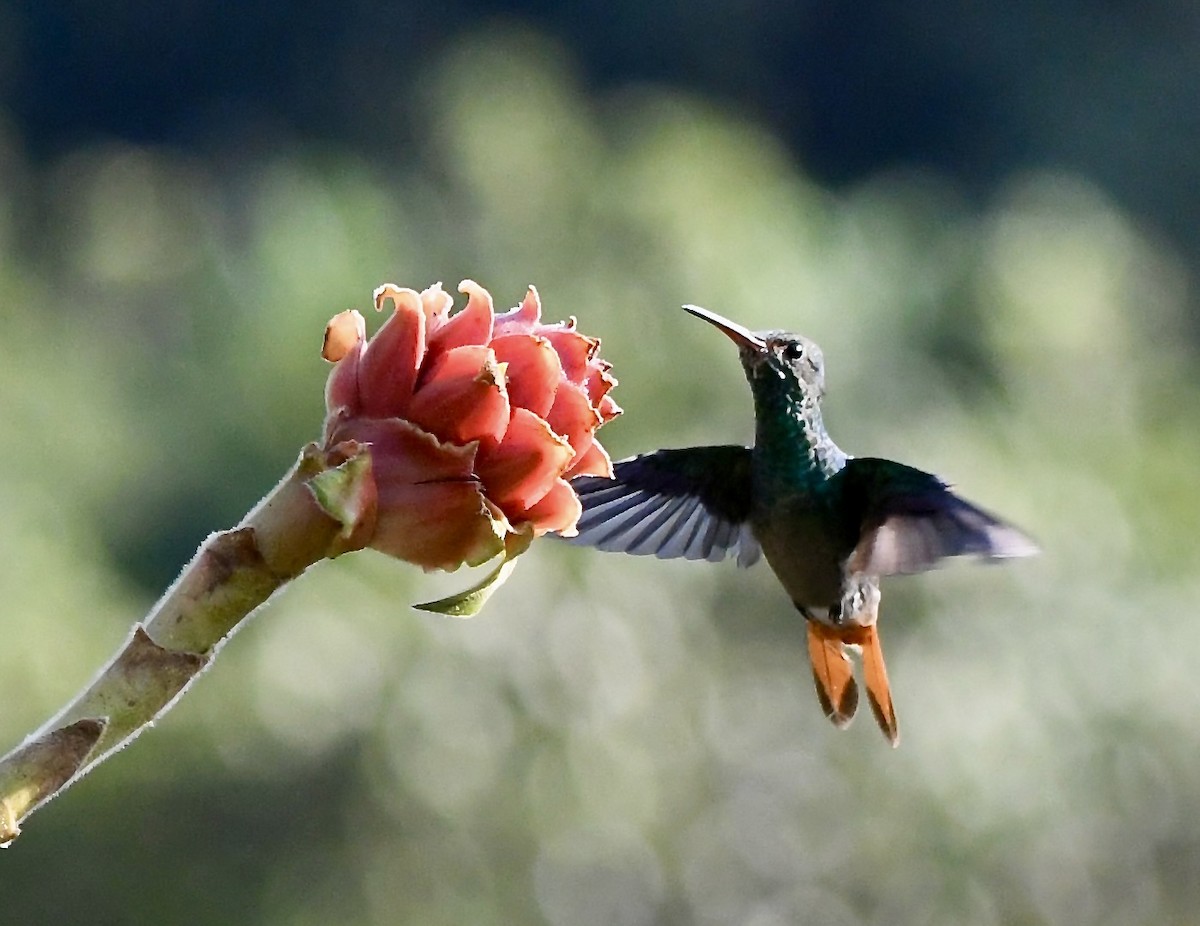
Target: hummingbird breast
x=806, y=549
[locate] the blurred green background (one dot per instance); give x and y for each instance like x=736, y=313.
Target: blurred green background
x=988, y=219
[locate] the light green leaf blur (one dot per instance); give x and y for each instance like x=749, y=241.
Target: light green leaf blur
x=614, y=740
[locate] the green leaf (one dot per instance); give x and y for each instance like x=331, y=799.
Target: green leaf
x=469, y=603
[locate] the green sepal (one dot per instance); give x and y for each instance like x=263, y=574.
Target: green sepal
x=470, y=602
x=347, y=492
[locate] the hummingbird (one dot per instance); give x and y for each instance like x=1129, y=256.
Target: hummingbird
x=829, y=525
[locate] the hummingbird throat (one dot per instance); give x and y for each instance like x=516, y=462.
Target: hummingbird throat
x=792, y=447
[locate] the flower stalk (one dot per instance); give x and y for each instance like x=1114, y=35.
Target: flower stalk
x=449, y=440
x=231, y=574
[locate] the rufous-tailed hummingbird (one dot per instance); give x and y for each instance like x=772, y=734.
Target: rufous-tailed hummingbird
x=830, y=525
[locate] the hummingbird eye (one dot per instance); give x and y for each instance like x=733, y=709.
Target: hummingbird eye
x=793, y=351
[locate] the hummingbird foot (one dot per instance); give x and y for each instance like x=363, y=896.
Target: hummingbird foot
x=859, y=606
x=860, y=602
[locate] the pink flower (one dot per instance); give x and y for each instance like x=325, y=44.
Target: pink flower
x=475, y=421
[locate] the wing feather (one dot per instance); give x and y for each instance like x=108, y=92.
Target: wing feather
x=691, y=504
x=909, y=520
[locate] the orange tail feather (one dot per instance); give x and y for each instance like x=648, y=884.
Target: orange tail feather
x=879, y=692
x=833, y=674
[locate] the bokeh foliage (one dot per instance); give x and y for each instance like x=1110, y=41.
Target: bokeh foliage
x=613, y=741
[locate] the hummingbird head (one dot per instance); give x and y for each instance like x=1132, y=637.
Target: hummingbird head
x=778, y=357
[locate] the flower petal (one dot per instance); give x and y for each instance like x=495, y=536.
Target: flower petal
x=440, y=525
x=599, y=381
x=464, y=397
x=574, y=350
x=393, y=356
x=344, y=333
x=430, y=509
x=436, y=303
x=534, y=371
x=523, y=319
x=608, y=409
x=521, y=470
x=472, y=325
x=559, y=510
x=345, y=342
x=593, y=462
x=402, y=451
x=573, y=418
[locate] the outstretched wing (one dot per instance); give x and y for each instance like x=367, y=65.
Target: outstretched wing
x=909, y=520
x=692, y=503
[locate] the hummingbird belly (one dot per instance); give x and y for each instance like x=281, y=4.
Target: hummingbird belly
x=806, y=556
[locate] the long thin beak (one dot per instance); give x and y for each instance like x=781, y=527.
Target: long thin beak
x=742, y=337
